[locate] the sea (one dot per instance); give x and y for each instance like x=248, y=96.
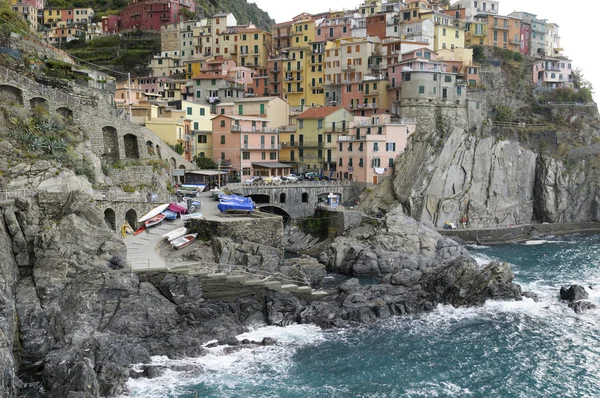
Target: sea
x=501, y=349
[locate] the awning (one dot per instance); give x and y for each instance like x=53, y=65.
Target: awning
x=207, y=173
x=271, y=165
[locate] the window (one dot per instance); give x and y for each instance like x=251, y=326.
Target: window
x=273, y=155
x=241, y=109
x=391, y=162
x=189, y=110
x=360, y=162
x=195, y=125
x=421, y=89
x=282, y=197
x=262, y=109
x=202, y=139
x=320, y=124
x=263, y=155
x=444, y=32
x=246, y=155
x=448, y=79
x=222, y=121
x=202, y=111
x=390, y=146
x=349, y=147
x=304, y=197
x=301, y=123
x=375, y=146
x=406, y=77
x=213, y=82
x=340, y=162
x=350, y=162
x=376, y=162
x=222, y=139
x=328, y=138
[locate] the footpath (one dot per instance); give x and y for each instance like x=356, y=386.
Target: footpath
x=519, y=233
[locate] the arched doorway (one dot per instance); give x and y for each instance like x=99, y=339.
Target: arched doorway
x=131, y=146
x=282, y=197
x=111, y=143
x=304, y=197
x=131, y=218
x=65, y=113
x=110, y=219
x=11, y=95
x=39, y=103
x=173, y=163
x=150, y=148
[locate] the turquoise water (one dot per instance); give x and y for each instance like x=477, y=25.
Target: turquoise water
x=521, y=349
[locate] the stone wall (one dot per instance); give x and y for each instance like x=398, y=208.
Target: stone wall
x=134, y=176
x=121, y=210
x=342, y=219
x=262, y=229
x=39, y=49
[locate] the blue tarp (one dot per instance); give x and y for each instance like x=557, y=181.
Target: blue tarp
x=10, y=51
x=235, y=206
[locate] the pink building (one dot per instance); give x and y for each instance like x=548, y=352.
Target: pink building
x=367, y=153
x=247, y=145
x=38, y=4
x=110, y=24
x=553, y=73
x=151, y=14
x=333, y=28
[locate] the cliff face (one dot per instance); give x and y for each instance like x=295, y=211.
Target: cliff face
x=542, y=167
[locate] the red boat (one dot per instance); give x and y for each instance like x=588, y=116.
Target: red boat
x=154, y=220
x=183, y=241
x=139, y=230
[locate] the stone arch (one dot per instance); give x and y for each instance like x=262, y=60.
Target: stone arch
x=276, y=210
x=259, y=198
x=150, y=148
x=36, y=102
x=11, y=95
x=110, y=219
x=282, y=197
x=65, y=113
x=173, y=163
x=158, y=151
x=131, y=146
x=304, y=197
x=111, y=142
x=182, y=166
x=131, y=218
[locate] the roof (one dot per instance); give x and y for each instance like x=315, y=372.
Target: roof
x=206, y=172
x=236, y=117
x=282, y=24
x=271, y=165
x=256, y=99
x=318, y=113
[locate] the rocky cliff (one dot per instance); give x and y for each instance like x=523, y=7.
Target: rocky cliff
x=73, y=318
x=538, y=165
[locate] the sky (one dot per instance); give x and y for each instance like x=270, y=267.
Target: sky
x=574, y=22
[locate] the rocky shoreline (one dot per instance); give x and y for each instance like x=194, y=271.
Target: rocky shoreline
x=74, y=319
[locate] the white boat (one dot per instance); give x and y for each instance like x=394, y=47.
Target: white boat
x=154, y=212
x=183, y=241
x=535, y=242
x=215, y=192
x=192, y=216
x=176, y=233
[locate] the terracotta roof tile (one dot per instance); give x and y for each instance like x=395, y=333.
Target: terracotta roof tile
x=319, y=112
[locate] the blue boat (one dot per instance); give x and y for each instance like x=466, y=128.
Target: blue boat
x=234, y=198
x=234, y=207
x=169, y=215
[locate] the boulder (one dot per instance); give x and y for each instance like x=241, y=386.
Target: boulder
x=573, y=293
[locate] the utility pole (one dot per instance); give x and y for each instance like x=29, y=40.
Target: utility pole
x=129, y=94
x=219, y=172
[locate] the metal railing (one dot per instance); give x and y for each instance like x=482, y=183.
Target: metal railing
x=298, y=184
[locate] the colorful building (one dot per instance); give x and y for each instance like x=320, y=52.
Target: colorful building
x=247, y=145
x=552, y=72
x=366, y=154
x=312, y=145
x=448, y=31
x=152, y=14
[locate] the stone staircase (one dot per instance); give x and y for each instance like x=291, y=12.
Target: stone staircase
x=238, y=281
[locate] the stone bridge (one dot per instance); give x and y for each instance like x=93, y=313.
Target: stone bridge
x=112, y=138
x=296, y=200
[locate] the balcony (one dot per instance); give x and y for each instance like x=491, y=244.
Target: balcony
x=295, y=90
x=487, y=11
x=316, y=59
x=293, y=78
x=500, y=27
x=338, y=128
x=213, y=100
x=291, y=144
x=244, y=129
x=224, y=162
x=310, y=144
x=262, y=147
x=349, y=68
x=372, y=93
x=345, y=138
x=295, y=68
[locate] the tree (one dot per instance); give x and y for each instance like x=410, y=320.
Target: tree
x=204, y=163
x=177, y=148
x=580, y=81
x=187, y=15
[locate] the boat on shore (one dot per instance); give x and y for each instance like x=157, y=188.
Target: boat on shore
x=154, y=212
x=191, y=216
x=154, y=220
x=183, y=241
x=169, y=215
x=176, y=233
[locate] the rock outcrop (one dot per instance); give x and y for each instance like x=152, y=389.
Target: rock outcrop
x=389, y=245
x=577, y=297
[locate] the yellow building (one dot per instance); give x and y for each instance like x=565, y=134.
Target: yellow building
x=199, y=126
x=449, y=32
x=476, y=33
x=313, y=144
x=252, y=47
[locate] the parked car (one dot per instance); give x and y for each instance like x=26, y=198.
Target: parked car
x=311, y=175
x=290, y=178
x=253, y=180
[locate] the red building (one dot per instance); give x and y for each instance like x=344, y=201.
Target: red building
x=151, y=14
x=376, y=25
x=525, y=38
x=110, y=24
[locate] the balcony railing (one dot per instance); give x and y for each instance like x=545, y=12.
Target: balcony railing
x=310, y=144
x=265, y=147
x=213, y=100
x=290, y=144
x=351, y=138
x=338, y=128
x=372, y=92
x=243, y=129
